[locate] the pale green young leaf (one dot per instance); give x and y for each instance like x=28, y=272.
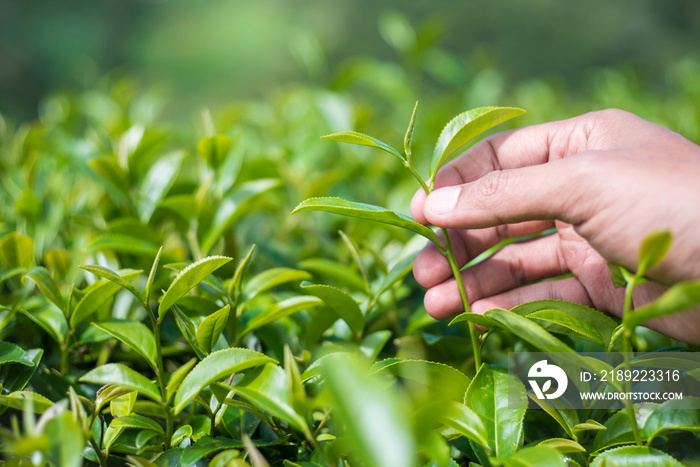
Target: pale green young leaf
x=408, y=139
x=97, y=295
x=211, y=328
x=214, y=149
x=561, y=411
x=11, y=353
x=137, y=421
x=373, y=343
x=120, y=375
x=187, y=328
x=110, y=275
x=17, y=400
x=66, y=440
x=241, y=269
x=273, y=277
x=464, y=127
x=673, y=415
x=534, y=456
x=121, y=243
x=563, y=446
x=42, y=278
x=634, y=456
x=188, y=279
x=213, y=368
x=653, y=250
x=619, y=275
x=353, y=137
x=617, y=428
x=366, y=211
x=570, y=322
x=475, y=318
x=341, y=303
x=17, y=375
x=488, y=396
x=16, y=251
x=527, y=330
x=108, y=394
x=339, y=272
x=464, y=421
x=278, y=310
x=588, y=425
x=155, y=185
x=177, y=377
x=354, y=249
x=438, y=376
x=151, y=276
x=677, y=298
x=134, y=334
x=185, y=431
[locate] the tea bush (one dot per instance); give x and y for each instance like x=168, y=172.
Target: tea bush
x=160, y=306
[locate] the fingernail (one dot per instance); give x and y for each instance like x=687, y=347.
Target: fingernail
x=444, y=200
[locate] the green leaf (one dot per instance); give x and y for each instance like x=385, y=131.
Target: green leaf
x=214, y=368
x=17, y=400
x=408, y=139
x=569, y=322
x=233, y=207
x=588, y=425
x=137, y=421
x=51, y=320
x=440, y=377
x=214, y=149
x=188, y=279
x=110, y=275
x=677, y=298
x=186, y=326
x=241, y=269
x=561, y=411
x=185, y=431
x=488, y=396
x=42, y=278
x=635, y=456
x=534, y=456
x=464, y=127
x=278, y=310
x=11, y=353
x=374, y=416
x=97, y=295
x=602, y=323
x=108, y=167
x=211, y=328
x=465, y=421
x=151, y=276
x=355, y=253
x=67, y=441
x=527, y=330
x=563, y=446
x=682, y=414
x=366, y=211
x=343, y=304
x=353, y=137
x=272, y=278
x=618, y=429
x=177, y=377
x=653, y=250
x=266, y=388
x=17, y=251
x=108, y=394
x=134, y=334
x=123, y=244
x=619, y=275
x=15, y=376
x=157, y=182
x=476, y=318
x=325, y=268
x=120, y=375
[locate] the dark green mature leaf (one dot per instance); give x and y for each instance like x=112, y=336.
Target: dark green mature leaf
x=569, y=322
x=681, y=414
x=488, y=396
x=619, y=275
x=157, y=182
x=188, y=279
x=617, y=428
x=17, y=400
x=233, y=207
x=120, y=375
x=213, y=368
x=214, y=149
x=97, y=295
x=377, y=427
x=272, y=278
x=635, y=456
x=114, y=277
x=11, y=353
x=137, y=421
x=343, y=304
x=561, y=411
x=653, y=250
x=534, y=456
x=15, y=376
x=366, y=211
x=464, y=127
x=266, y=388
x=17, y=251
x=442, y=378
x=677, y=298
x=281, y=309
x=134, y=334
x=353, y=137
x=42, y=278
x=51, y=320
x=211, y=328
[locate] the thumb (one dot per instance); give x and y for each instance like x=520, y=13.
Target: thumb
x=563, y=190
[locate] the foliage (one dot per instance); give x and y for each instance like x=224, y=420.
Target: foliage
x=160, y=306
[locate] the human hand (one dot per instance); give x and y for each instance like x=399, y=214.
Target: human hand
x=604, y=180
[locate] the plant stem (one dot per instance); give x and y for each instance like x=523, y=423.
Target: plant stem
x=417, y=176
x=161, y=383
x=450, y=255
x=626, y=352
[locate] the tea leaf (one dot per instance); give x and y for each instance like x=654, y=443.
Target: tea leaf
x=137, y=421
x=215, y=367
x=464, y=127
x=17, y=400
x=15, y=376
x=561, y=411
x=569, y=322
x=123, y=244
x=652, y=250
x=677, y=298
x=682, y=414
x=177, y=377
x=134, y=334
x=188, y=279
x=187, y=328
x=281, y=309
x=534, y=456
x=17, y=251
x=408, y=139
x=214, y=149
x=211, y=328
x=634, y=456
x=477, y=319
x=185, y=431
x=343, y=304
x=366, y=211
x=353, y=137
x=488, y=396
x=114, y=277
x=151, y=277
x=97, y=295
x=157, y=182
x=272, y=278
x=618, y=429
x=465, y=421
x=440, y=377
x=66, y=440
x=339, y=272
x=120, y=375
x=42, y=278
x=241, y=269
x=11, y=353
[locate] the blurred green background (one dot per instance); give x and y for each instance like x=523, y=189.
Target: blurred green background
x=209, y=52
